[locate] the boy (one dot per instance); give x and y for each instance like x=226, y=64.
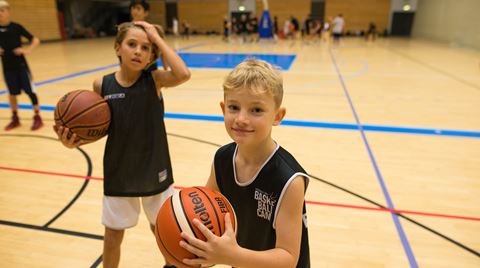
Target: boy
x=139, y=10
x=262, y=181
x=15, y=68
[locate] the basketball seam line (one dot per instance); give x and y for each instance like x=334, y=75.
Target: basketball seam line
x=185, y=213
x=86, y=110
x=214, y=210
x=164, y=246
x=68, y=107
x=96, y=125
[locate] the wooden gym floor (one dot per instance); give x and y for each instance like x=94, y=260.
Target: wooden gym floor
x=389, y=126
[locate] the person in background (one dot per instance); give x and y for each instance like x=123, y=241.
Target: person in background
x=15, y=68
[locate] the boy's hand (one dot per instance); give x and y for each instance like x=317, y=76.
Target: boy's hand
x=21, y=51
x=1, y=51
x=63, y=133
x=215, y=250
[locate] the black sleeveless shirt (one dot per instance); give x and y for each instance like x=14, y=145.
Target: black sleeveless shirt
x=256, y=202
x=136, y=160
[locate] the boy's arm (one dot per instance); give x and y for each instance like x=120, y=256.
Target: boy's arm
x=25, y=51
x=288, y=230
x=35, y=42
x=212, y=180
x=225, y=250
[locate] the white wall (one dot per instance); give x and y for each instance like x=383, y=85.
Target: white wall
x=453, y=21
x=248, y=4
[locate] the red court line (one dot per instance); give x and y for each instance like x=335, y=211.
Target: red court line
x=308, y=202
x=399, y=211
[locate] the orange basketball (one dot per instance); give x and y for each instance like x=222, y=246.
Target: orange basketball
x=85, y=113
x=177, y=214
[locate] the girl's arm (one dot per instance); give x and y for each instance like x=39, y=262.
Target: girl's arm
x=178, y=72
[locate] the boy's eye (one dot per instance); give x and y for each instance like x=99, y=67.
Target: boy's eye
x=257, y=110
x=232, y=107
x=145, y=48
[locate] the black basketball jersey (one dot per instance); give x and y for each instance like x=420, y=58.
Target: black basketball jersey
x=136, y=160
x=256, y=202
x=11, y=38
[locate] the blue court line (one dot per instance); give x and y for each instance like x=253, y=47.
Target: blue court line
x=230, y=60
x=310, y=124
x=406, y=245
x=53, y=80
x=65, y=77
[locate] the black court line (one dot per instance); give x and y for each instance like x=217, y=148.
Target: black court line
x=46, y=227
x=449, y=239
x=52, y=230
x=85, y=184
x=433, y=68
x=98, y=237
x=97, y=262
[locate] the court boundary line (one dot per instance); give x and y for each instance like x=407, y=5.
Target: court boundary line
x=401, y=233
x=309, y=124
x=347, y=191
x=379, y=209
x=437, y=70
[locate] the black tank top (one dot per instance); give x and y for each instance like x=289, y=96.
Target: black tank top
x=256, y=203
x=136, y=160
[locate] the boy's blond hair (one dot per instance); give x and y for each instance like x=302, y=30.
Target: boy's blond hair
x=257, y=76
x=4, y=4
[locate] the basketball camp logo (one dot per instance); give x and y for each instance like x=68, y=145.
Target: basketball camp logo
x=266, y=203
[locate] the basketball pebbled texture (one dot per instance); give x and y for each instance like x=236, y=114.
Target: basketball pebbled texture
x=85, y=113
x=177, y=214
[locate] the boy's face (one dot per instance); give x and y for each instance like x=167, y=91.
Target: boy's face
x=249, y=116
x=135, y=51
x=4, y=15
x=138, y=13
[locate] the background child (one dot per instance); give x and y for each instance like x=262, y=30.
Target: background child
x=139, y=10
x=15, y=68
x=136, y=160
x=263, y=182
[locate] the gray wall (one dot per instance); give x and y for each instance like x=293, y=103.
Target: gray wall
x=454, y=21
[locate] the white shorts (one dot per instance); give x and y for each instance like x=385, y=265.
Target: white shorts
x=122, y=212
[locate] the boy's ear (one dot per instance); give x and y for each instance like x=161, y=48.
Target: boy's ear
x=222, y=105
x=279, y=115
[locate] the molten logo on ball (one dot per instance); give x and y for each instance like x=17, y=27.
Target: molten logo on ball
x=177, y=214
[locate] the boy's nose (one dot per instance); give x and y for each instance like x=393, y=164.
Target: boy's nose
x=242, y=117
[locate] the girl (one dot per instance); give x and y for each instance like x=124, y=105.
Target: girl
x=136, y=160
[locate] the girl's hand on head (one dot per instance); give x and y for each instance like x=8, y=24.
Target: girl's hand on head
x=149, y=28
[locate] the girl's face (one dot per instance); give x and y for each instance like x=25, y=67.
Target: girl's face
x=249, y=116
x=135, y=51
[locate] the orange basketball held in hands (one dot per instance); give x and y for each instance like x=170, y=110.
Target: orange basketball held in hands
x=85, y=113
x=176, y=216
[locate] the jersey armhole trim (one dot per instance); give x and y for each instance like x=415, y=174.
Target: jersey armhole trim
x=285, y=187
